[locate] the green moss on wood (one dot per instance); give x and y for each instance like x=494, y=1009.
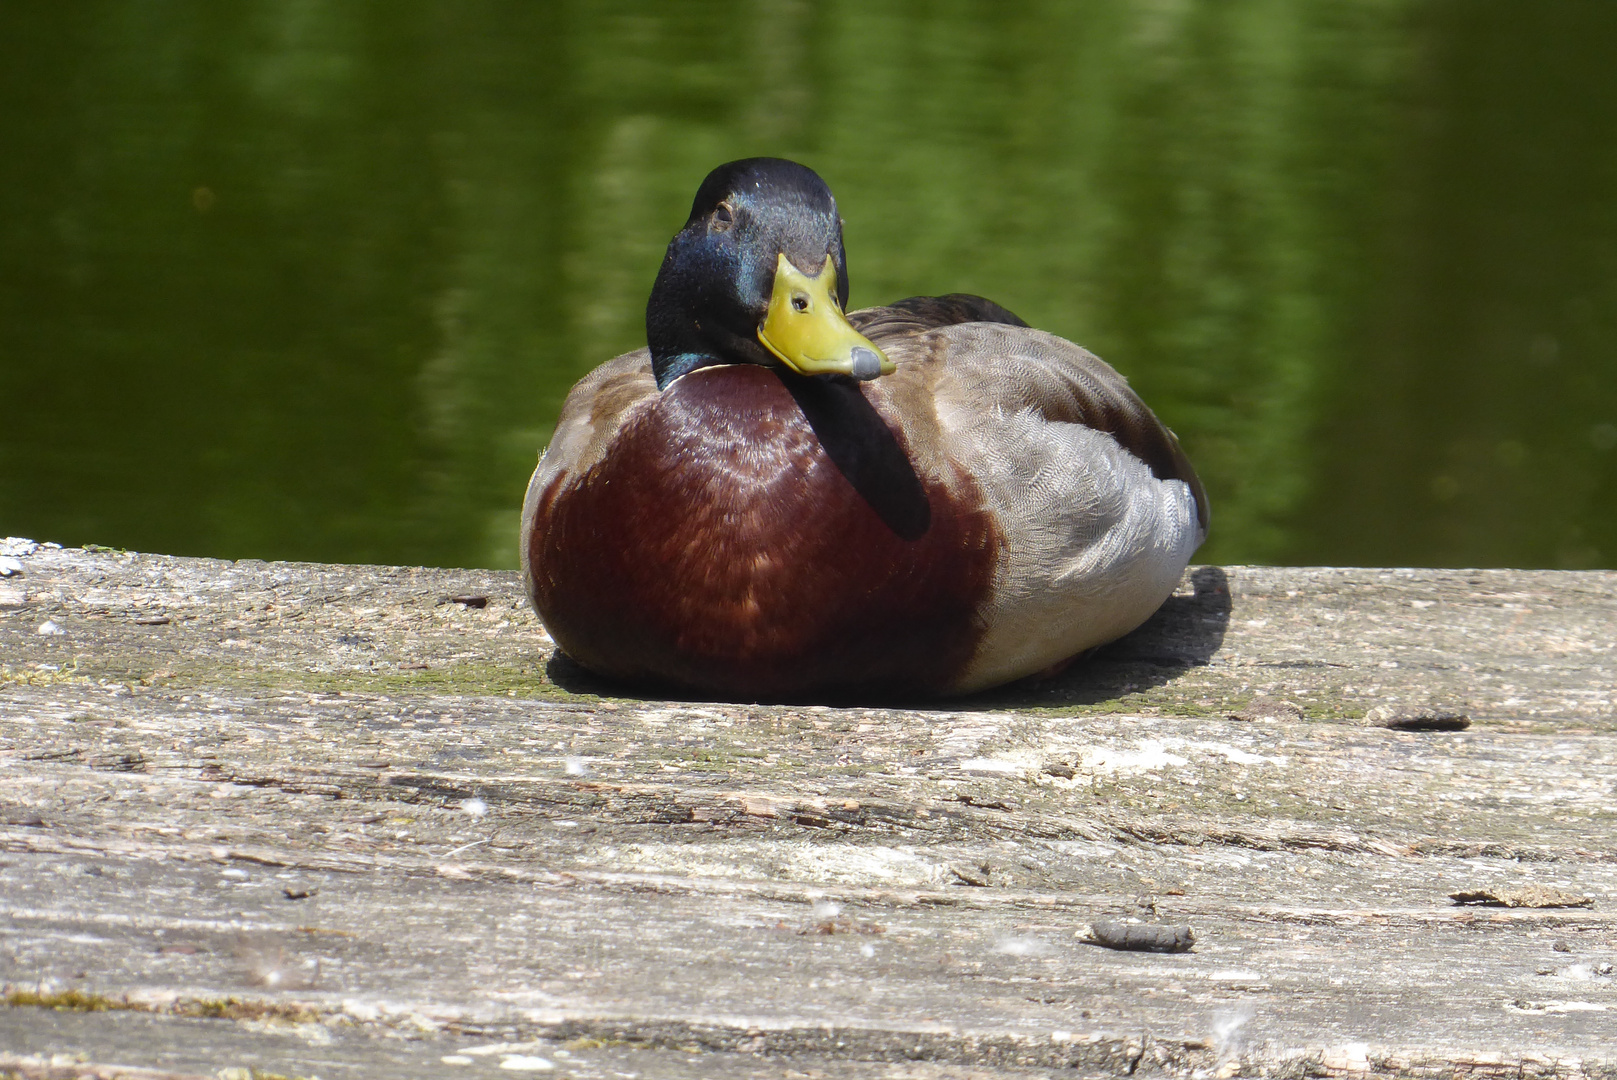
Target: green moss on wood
x=204, y=1008
x=66, y=1001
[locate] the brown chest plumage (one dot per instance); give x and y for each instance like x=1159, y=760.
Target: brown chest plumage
x=719, y=546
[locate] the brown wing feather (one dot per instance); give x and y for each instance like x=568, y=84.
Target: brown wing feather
x=918, y=314
x=1079, y=387
x=1062, y=381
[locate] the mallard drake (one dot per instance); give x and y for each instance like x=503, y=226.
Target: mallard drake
x=776, y=500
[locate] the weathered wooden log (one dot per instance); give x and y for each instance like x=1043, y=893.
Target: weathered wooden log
x=350, y=820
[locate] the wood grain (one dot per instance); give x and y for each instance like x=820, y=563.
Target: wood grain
x=498, y=859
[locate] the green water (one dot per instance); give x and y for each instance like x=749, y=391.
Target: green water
x=309, y=279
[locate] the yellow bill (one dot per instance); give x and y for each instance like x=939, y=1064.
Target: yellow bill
x=806, y=329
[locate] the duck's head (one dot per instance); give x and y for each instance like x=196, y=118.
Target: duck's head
x=758, y=276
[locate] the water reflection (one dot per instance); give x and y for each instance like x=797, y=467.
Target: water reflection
x=310, y=280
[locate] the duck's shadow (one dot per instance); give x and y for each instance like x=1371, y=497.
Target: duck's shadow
x=1185, y=633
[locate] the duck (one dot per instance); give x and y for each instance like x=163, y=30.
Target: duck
x=777, y=499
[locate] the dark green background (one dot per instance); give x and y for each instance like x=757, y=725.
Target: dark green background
x=310, y=279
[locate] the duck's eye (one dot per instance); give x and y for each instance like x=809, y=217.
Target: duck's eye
x=723, y=217
x=800, y=302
